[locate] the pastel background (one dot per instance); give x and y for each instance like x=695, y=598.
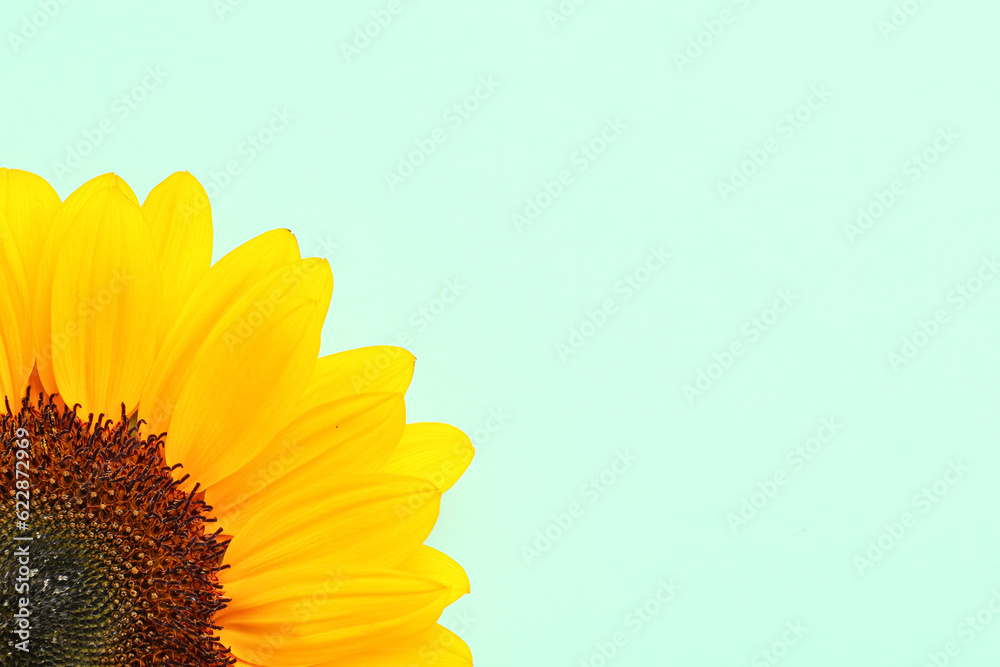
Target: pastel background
x=713, y=286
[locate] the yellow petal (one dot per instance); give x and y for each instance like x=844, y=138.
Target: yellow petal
x=299, y=622
x=244, y=382
x=300, y=277
x=316, y=582
x=430, y=563
x=380, y=368
x=30, y=204
x=436, y=452
x=16, y=345
x=346, y=437
x=70, y=214
x=373, y=521
x=352, y=436
x=180, y=220
x=435, y=647
x=224, y=283
x=106, y=292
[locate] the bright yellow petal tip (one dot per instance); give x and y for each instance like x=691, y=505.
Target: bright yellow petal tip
x=245, y=500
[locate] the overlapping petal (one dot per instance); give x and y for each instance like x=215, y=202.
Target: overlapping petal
x=346, y=437
x=29, y=203
x=437, y=646
x=327, y=493
x=380, y=368
x=180, y=220
x=366, y=520
x=222, y=285
x=436, y=452
x=105, y=323
x=16, y=346
x=263, y=349
x=71, y=215
x=336, y=612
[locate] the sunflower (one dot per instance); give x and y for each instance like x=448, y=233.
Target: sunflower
x=185, y=481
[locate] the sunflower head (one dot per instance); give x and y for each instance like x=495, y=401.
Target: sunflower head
x=186, y=481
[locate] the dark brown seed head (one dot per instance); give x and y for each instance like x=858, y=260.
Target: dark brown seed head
x=121, y=568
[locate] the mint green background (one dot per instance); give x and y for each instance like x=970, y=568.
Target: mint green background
x=494, y=348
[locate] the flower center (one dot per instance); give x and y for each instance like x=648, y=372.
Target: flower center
x=103, y=559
